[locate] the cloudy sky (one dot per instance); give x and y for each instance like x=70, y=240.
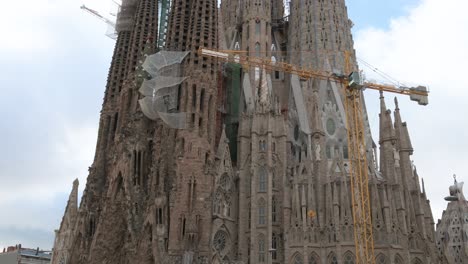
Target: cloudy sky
x=53, y=67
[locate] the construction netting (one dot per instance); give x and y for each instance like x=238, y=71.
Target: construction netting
x=162, y=90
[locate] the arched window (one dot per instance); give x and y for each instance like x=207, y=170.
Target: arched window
x=159, y=216
x=210, y=117
x=179, y=96
x=298, y=259
x=382, y=259
x=332, y=259
x=194, y=96
x=257, y=27
x=349, y=258
x=261, y=249
x=273, y=209
x=119, y=185
x=202, y=99
x=186, y=97
x=398, y=259
x=274, y=246
x=257, y=49
x=261, y=212
x=314, y=259
x=116, y=122
x=262, y=180
x=273, y=179
x=345, y=152
x=262, y=145
x=217, y=202
x=228, y=208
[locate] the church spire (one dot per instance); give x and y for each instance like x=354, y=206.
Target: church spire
x=71, y=211
x=386, y=128
x=401, y=129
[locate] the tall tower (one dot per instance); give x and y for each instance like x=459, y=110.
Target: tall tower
x=322, y=34
x=64, y=235
x=194, y=25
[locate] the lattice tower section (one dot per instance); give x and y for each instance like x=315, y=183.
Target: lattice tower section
x=146, y=27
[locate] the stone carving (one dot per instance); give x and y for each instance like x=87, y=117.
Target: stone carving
x=318, y=152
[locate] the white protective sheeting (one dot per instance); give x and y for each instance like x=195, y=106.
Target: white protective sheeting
x=154, y=108
x=151, y=87
x=125, y=17
x=155, y=64
x=300, y=106
x=161, y=92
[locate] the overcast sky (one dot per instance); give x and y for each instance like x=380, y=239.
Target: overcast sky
x=54, y=60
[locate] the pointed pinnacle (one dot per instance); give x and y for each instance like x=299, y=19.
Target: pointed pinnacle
x=397, y=107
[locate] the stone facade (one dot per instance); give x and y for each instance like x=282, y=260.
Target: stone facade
x=261, y=173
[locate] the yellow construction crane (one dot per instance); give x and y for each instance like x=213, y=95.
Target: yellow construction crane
x=362, y=215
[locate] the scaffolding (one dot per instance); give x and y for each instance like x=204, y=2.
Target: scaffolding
x=125, y=16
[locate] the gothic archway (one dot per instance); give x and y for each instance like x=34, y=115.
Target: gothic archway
x=349, y=258
x=381, y=259
x=297, y=259
x=332, y=259
x=314, y=258
x=398, y=259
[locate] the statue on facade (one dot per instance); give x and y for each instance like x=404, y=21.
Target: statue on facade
x=318, y=152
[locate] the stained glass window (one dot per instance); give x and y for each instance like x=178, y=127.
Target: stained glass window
x=331, y=126
x=219, y=241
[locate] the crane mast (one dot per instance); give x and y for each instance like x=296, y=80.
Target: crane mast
x=362, y=213
x=362, y=216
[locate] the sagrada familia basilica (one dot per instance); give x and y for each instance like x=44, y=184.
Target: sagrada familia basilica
x=200, y=161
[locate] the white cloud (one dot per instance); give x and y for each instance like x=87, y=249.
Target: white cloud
x=428, y=46
x=68, y=158
x=55, y=58
x=31, y=27
x=75, y=151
